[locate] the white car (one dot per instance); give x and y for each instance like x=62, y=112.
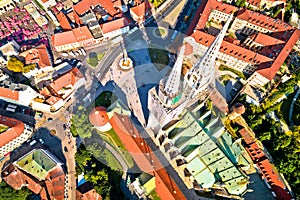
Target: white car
x=65, y=54
x=58, y=60
x=72, y=53
x=79, y=64
x=83, y=51
x=80, y=53
x=76, y=53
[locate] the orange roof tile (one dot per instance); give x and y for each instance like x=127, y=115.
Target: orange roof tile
x=142, y=9
x=231, y=49
x=85, y=5
x=62, y=81
x=64, y=38
x=37, y=55
x=9, y=94
x=98, y=116
x=269, y=70
x=210, y=6
x=114, y=25
x=55, y=183
x=265, y=40
x=145, y=158
x=82, y=33
x=73, y=16
x=15, y=130
x=246, y=136
x=63, y=21
x=263, y=20
x=52, y=100
x=17, y=179
x=273, y=178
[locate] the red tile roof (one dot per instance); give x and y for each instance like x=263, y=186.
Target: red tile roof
x=246, y=136
x=142, y=9
x=263, y=20
x=82, y=33
x=142, y=154
x=17, y=179
x=9, y=94
x=73, y=16
x=269, y=70
x=37, y=55
x=64, y=38
x=274, y=180
x=213, y=5
x=114, y=25
x=98, y=116
x=53, y=100
x=55, y=183
x=63, y=21
x=265, y=40
x=267, y=170
x=85, y=5
x=231, y=49
x=16, y=128
x=63, y=81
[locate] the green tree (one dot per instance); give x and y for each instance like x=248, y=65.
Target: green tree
x=9, y=193
x=240, y=3
x=80, y=125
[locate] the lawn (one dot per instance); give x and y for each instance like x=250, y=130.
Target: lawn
x=112, y=161
x=225, y=68
x=159, y=57
x=105, y=99
x=100, y=56
x=157, y=3
x=160, y=31
x=154, y=196
x=112, y=138
x=92, y=59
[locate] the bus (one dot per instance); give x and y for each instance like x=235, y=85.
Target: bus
x=174, y=36
x=11, y=108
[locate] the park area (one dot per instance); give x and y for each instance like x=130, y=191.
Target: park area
x=94, y=58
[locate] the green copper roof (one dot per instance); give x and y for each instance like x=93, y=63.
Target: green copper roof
x=176, y=99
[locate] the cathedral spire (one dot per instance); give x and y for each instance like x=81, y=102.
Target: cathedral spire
x=203, y=72
x=173, y=82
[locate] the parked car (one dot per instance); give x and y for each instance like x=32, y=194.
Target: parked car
x=73, y=61
x=76, y=54
x=41, y=141
x=83, y=51
x=50, y=119
x=80, y=53
x=58, y=60
x=65, y=54
x=79, y=64
x=72, y=53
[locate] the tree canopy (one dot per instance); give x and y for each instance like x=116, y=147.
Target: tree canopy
x=80, y=125
x=9, y=193
x=105, y=180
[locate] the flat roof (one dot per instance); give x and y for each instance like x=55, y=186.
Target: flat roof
x=37, y=163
